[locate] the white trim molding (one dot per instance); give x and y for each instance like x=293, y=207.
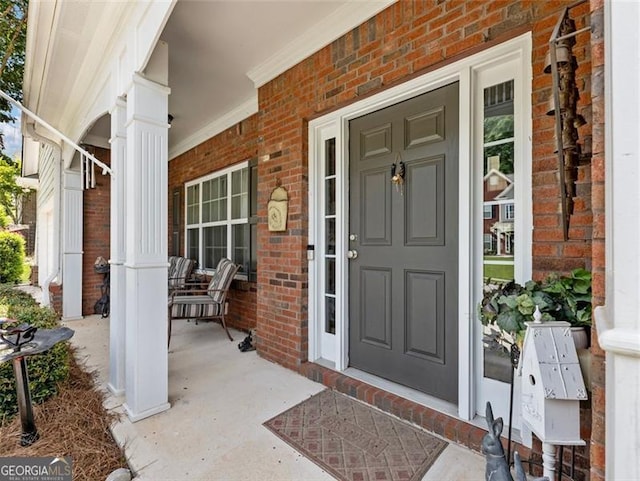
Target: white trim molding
x=618, y=321
x=240, y=113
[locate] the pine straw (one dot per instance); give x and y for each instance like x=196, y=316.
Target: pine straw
x=73, y=423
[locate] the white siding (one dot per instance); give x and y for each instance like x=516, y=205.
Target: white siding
x=48, y=227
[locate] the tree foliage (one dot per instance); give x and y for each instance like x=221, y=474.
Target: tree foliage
x=10, y=192
x=13, y=42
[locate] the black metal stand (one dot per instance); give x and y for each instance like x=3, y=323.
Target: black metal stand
x=29, y=431
x=16, y=343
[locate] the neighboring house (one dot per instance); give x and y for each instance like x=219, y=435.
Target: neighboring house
x=202, y=109
x=498, y=213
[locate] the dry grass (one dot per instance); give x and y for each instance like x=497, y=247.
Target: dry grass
x=73, y=423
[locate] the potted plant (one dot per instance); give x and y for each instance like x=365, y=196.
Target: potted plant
x=573, y=295
x=559, y=298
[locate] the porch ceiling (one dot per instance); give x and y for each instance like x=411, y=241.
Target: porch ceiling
x=220, y=52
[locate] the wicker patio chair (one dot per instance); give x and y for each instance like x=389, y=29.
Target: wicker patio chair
x=209, y=303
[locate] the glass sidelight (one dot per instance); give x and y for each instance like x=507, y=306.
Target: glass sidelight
x=498, y=229
x=329, y=220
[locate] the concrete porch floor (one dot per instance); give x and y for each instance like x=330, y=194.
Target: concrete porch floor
x=219, y=399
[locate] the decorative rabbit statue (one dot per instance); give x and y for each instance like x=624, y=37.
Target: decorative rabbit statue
x=497, y=467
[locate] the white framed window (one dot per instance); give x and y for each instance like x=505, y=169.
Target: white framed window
x=489, y=243
x=509, y=212
x=221, y=218
x=487, y=211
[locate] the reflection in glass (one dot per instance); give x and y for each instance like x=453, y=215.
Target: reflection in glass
x=330, y=276
x=240, y=244
x=214, y=245
x=330, y=233
x=330, y=196
x=192, y=243
x=330, y=315
x=240, y=194
x=193, y=204
x=499, y=184
x=330, y=157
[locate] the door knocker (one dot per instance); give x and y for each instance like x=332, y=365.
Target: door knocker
x=397, y=175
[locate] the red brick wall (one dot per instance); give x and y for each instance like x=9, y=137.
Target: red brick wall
x=550, y=252
x=55, y=298
x=96, y=239
x=234, y=145
x=598, y=243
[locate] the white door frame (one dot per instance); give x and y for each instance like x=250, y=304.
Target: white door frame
x=336, y=124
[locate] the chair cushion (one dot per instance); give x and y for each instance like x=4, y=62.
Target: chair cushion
x=193, y=307
x=171, y=271
x=221, y=279
x=181, y=272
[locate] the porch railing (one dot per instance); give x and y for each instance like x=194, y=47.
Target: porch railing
x=88, y=161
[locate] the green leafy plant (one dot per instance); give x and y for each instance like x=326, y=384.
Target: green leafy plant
x=573, y=294
x=11, y=257
x=559, y=298
x=46, y=370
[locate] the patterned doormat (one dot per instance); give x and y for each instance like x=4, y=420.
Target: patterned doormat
x=355, y=442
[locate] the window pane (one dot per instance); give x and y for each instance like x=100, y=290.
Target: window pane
x=253, y=273
x=214, y=245
x=214, y=203
x=330, y=276
x=330, y=315
x=240, y=194
x=192, y=243
x=193, y=204
x=330, y=157
x=498, y=207
x=254, y=190
x=330, y=232
x=240, y=242
x=330, y=196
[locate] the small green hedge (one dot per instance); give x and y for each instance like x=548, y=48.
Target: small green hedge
x=11, y=257
x=46, y=370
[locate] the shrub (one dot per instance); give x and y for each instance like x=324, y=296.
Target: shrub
x=45, y=370
x=11, y=257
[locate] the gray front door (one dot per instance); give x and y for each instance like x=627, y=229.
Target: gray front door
x=403, y=283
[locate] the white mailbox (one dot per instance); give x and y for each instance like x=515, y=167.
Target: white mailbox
x=552, y=384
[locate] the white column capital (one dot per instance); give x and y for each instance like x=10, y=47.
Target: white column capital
x=139, y=79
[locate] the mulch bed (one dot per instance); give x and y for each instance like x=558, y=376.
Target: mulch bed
x=355, y=442
x=73, y=423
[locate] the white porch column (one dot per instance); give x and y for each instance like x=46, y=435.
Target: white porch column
x=146, y=248
x=618, y=321
x=118, y=279
x=72, y=245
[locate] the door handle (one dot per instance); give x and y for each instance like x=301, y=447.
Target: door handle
x=352, y=254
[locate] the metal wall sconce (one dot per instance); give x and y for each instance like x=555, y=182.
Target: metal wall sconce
x=562, y=65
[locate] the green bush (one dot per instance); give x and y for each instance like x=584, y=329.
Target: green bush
x=46, y=370
x=11, y=257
